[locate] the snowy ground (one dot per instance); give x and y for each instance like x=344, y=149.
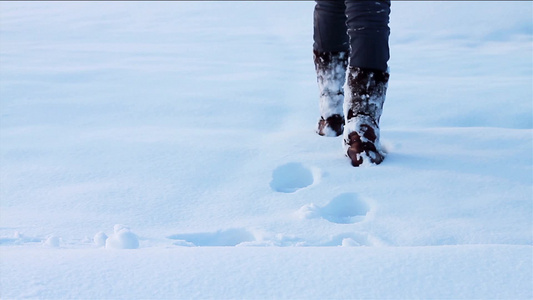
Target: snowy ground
x=192, y=124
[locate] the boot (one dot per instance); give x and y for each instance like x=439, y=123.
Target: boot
x=331, y=74
x=363, y=107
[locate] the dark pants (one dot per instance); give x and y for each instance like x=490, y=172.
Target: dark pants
x=358, y=26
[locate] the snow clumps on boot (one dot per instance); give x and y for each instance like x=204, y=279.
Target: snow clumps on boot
x=331, y=75
x=363, y=108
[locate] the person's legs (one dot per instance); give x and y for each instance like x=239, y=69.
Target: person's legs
x=367, y=79
x=330, y=52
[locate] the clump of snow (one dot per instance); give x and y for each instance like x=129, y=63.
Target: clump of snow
x=52, y=241
x=122, y=238
x=308, y=211
x=349, y=242
x=100, y=239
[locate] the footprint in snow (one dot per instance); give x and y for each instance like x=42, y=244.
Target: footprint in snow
x=346, y=208
x=18, y=239
x=230, y=237
x=291, y=177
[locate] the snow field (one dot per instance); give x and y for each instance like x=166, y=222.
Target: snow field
x=192, y=123
x=177, y=273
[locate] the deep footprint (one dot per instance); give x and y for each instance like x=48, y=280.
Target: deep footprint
x=230, y=237
x=346, y=208
x=291, y=177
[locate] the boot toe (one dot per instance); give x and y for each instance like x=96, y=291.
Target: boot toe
x=361, y=150
x=332, y=126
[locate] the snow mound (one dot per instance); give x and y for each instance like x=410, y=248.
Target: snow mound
x=100, y=239
x=53, y=241
x=123, y=238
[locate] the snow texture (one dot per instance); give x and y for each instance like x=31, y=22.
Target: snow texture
x=331, y=76
x=192, y=123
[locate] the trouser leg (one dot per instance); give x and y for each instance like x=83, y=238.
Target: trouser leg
x=368, y=30
x=330, y=31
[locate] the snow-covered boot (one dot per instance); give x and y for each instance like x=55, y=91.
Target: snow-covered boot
x=363, y=107
x=331, y=74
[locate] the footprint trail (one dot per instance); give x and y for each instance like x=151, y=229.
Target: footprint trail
x=346, y=208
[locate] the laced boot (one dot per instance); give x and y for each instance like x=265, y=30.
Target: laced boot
x=331, y=74
x=363, y=107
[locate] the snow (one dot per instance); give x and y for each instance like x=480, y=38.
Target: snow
x=192, y=124
x=100, y=239
x=122, y=238
x=243, y=272
x=343, y=209
x=53, y=241
x=293, y=176
x=330, y=82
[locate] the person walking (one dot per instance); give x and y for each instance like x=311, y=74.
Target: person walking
x=351, y=45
